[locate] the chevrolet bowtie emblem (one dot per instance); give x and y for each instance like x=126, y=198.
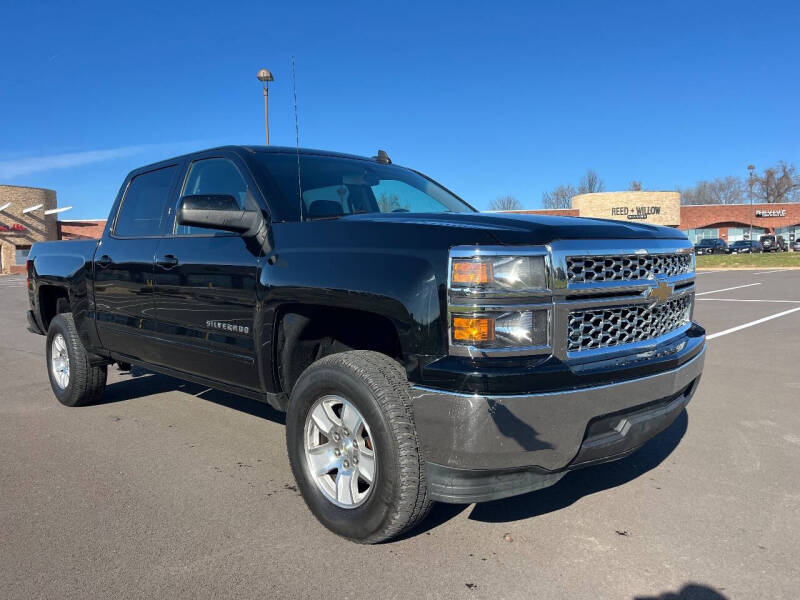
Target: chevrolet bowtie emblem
x=661, y=293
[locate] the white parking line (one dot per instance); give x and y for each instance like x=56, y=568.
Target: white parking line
x=751, y=323
x=736, y=287
x=742, y=300
x=765, y=272
x=712, y=272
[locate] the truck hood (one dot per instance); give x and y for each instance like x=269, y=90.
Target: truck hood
x=511, y=228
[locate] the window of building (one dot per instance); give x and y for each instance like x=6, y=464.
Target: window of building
x=143, y=207
x=742, y=233
x=788, y=232
x=21, y=254
x=695, y=235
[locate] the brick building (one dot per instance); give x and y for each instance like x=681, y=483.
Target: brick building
x=81, y=230
x=24, y=220
x=730, y=222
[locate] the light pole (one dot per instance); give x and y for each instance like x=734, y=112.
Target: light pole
x=751, y=168
x=264, y=76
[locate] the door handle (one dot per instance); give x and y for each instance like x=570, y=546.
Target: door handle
x=167, y=262
x=104, y=261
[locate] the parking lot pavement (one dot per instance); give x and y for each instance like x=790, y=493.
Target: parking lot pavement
x=171, y=490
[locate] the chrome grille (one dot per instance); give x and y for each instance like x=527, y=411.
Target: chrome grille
x=617, y=325
x=626, y=267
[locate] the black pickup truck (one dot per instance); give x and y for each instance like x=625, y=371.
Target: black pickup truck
x=422, y=351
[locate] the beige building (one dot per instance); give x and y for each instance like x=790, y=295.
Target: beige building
x=23, y=222
x=655, y=208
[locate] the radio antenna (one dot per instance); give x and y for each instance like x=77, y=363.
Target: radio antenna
x=297, y=140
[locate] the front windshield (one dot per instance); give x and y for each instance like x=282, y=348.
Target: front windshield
x=334, y=186
x=707, y=242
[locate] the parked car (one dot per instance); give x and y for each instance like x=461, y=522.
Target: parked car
x=711, y=246
x=422, y=351
x=773, y=243
x=795, y=245
x=745, y=247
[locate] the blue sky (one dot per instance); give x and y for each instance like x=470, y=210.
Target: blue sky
x=489, y=98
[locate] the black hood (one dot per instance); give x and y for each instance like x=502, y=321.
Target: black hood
x=512, y=228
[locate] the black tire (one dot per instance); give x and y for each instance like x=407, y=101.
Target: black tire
x=86, y=381
x=377, y=386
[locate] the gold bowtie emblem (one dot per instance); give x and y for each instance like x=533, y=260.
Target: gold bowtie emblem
x=661, y=293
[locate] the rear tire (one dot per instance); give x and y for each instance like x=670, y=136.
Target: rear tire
x=73, y=377
x=376, y=387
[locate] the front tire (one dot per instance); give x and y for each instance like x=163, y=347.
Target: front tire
x=73, y=377
x=353, y=446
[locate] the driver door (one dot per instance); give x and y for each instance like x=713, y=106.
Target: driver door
x=207, y=284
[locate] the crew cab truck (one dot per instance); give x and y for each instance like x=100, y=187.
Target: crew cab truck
x=421, y=350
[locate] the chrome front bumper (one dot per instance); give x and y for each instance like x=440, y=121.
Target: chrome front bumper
x=539, y=431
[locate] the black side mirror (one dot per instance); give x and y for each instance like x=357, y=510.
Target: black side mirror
x=221, y=211
x=217, y=212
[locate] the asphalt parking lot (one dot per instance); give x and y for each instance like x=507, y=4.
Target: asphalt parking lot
x=171, y=490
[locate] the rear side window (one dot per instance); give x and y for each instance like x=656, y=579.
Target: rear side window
x=142, y=208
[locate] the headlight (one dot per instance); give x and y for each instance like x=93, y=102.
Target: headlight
x=511, y=329
x=499, y=273
x=499, y=301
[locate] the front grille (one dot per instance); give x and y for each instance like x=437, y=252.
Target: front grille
x=626, y=267
x=617, y=325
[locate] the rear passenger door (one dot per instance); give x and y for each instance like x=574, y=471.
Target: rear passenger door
x=123, y=268
x=206, y=283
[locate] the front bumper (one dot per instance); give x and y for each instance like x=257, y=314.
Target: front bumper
x=484, y=447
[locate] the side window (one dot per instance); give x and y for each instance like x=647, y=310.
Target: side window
x=215, y=176
x=143, y=206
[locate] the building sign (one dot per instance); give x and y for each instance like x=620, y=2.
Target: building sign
x=652, y=208
x=15, y=227
x=635, y=212
x=771, y=213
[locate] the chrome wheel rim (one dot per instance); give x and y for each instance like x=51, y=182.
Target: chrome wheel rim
x=339, y=451
x=59, y=361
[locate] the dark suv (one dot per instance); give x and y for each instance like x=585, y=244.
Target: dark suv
x=711, y=246
x=773, y=243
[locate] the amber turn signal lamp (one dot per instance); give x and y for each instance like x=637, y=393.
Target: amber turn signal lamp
x=469, y=329
x=471, y=272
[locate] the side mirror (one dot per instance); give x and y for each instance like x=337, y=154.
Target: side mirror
x=222, y=211
x=218, y=212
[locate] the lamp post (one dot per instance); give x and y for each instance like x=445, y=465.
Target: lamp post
x=265, y=76
x=751, y=168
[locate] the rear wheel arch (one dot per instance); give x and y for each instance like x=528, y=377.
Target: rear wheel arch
x=53, y=300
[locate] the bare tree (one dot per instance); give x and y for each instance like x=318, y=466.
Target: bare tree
x=723, y=190
x=390, y=203
x=506, y=203
x=728, y=190
x=559, y=197
x=590, y=183
x=777, y=184
x=635, y=186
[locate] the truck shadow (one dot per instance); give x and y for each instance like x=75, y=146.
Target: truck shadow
x=145, y=383
x=690, y=591
x=574, y=486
